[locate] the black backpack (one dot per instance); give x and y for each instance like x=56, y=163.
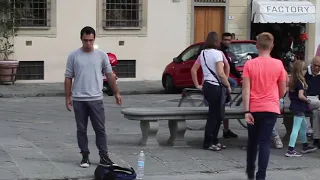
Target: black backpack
x=114, y=172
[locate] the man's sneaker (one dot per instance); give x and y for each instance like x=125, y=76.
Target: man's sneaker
x=308, y=149
x=85, y=162
x=229, y=134
x=106, y=161
x=310, y=132
x=293, y=154
x=277, y=142
x=213, y=148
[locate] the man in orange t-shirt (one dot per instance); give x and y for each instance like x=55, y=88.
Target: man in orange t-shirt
x=264, y=83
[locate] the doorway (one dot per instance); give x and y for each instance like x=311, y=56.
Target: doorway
x=207, y=19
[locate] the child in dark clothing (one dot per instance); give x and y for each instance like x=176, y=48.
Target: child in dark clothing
x=299, y=105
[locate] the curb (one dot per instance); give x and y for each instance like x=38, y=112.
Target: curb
x=62, y=94
x=75, y=178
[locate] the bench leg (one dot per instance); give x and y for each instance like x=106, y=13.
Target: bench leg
x=288, y=123
x=177, y=131
x=149, y=131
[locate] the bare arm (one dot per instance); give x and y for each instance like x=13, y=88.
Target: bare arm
x=112, y=80
x=246, y=93
x=302, y=96
x=107, y=69
x=282, y=83
x=67, y=87
x=246, y=85
x=221, y=75
x=226, y=66
x=194, y=74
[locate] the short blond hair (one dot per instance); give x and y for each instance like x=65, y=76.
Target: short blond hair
x=265, y=40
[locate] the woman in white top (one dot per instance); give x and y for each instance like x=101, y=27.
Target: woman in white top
x=215, y=87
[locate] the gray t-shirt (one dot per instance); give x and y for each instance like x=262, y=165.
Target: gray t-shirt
x=87, y=69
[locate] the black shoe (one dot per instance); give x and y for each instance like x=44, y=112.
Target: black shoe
x=229, y=134
x=250, y=175
x=106, y=161
x=85, y=162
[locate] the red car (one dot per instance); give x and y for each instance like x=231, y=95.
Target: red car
x=177, y=74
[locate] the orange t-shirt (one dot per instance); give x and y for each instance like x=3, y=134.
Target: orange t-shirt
x=264, y=74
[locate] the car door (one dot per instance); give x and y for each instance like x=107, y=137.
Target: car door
x=188, y=58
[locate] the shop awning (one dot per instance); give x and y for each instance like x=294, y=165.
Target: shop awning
x=290, y=11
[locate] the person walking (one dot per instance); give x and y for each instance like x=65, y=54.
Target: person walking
x=264, y=83
x=299, y=104
x=87, y=66
x=215, y=89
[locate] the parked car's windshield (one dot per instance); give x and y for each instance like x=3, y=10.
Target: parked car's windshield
x=240, y=51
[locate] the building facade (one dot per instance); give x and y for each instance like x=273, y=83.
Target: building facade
x=144, y=34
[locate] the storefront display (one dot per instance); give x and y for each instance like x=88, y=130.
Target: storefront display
x=286, y=21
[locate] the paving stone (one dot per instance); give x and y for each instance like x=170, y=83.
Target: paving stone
x=38, y=140
x=57, y=89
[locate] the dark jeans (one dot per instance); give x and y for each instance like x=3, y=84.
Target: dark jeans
x=215, y=95
x=259, y=135
x=95, y=110
x=233, y=83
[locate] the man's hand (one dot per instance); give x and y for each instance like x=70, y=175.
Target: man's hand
x=249, y=118
x=118, y=99
x=68, y=104
x=229, y=90
x=199, y=86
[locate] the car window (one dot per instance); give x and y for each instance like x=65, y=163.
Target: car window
x=191, y=53
x=238, y=52
x=241, y=48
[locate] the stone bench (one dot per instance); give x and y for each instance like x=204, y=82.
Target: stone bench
x=176, y=117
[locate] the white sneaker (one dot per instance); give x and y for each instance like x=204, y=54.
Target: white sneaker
x=277, y=142
x=310, y=132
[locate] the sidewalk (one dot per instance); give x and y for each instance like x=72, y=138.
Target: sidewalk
x=57, y=89
x=38, y=141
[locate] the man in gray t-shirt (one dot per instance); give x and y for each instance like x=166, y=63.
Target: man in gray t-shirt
x=87, y=67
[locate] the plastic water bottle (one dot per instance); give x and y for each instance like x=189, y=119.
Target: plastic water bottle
x=140, y=168
x=281, y=104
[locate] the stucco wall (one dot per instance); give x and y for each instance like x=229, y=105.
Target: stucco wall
x=238, y=9
x=166, y=35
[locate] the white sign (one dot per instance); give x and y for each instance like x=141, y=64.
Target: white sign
x=287, y=9
x=231, y=18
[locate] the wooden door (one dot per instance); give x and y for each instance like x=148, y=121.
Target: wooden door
x=207, y=19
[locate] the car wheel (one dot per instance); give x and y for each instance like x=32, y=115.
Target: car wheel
x=168, y=84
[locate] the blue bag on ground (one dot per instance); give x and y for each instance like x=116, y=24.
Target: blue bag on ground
x=114, y=172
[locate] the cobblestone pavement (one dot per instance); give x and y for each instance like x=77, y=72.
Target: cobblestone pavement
x=38, y=141
x=57, y=89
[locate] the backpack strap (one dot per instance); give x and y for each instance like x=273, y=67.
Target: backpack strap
x=214, y=74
